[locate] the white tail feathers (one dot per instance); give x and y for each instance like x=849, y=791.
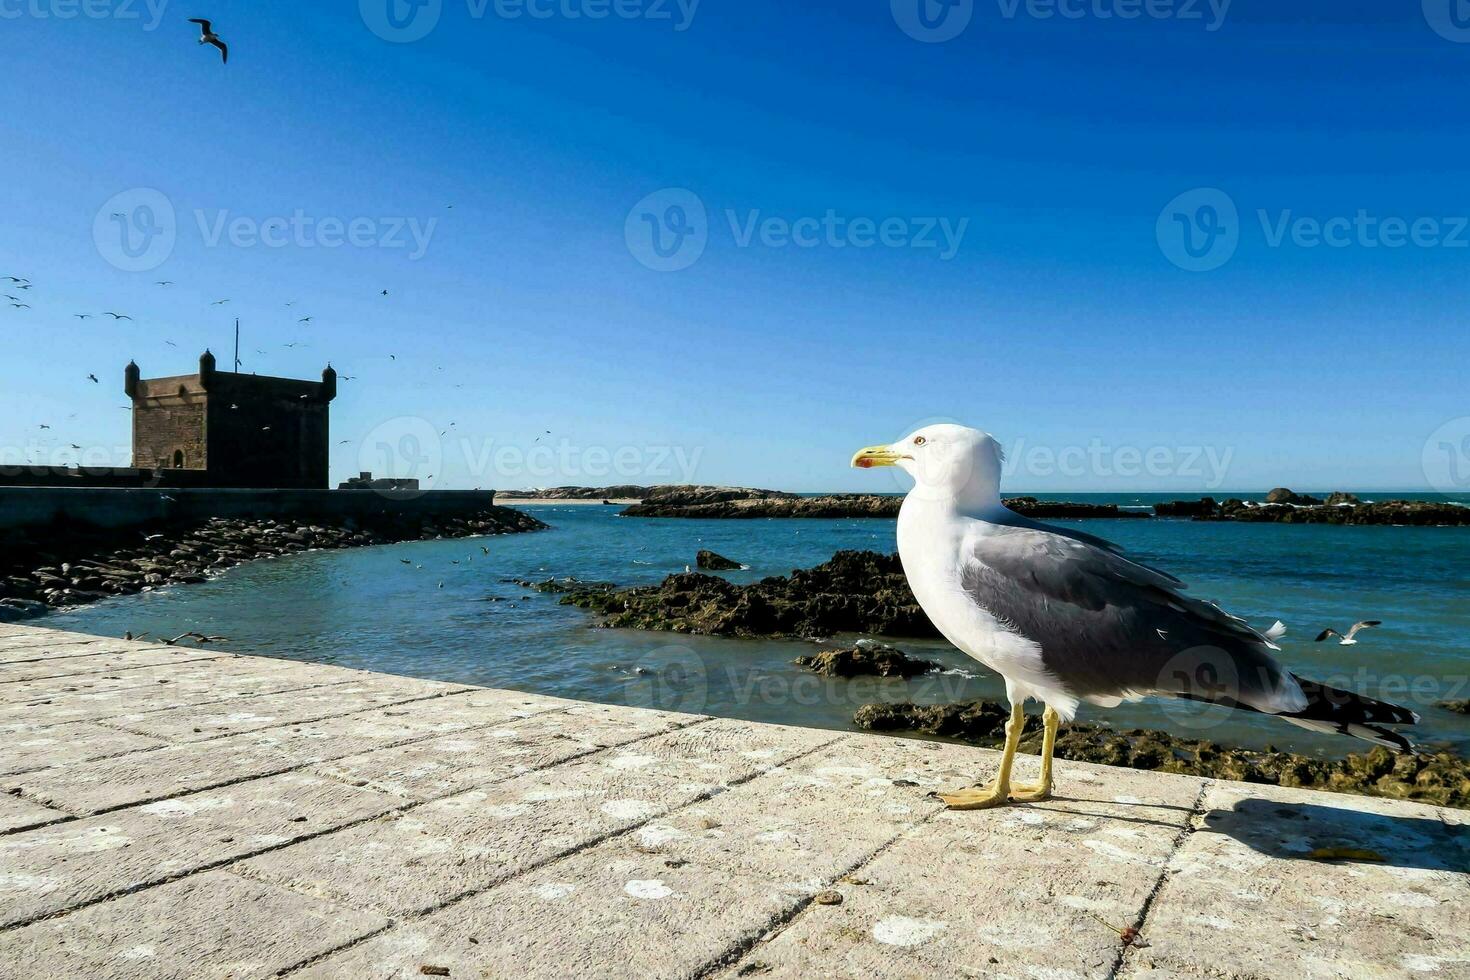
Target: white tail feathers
x=1276, y=632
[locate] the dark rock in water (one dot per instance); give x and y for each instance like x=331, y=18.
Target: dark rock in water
x=854, y=592
x=1440, y=778
x=1337, y=498
x=1281, y=495
x=1458, y=707
x=563, y=586
x=715, y=563
x=866, y=658
x=14, y=610
x=1204, y=507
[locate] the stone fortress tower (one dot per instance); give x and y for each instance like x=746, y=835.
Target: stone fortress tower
x=242, y=430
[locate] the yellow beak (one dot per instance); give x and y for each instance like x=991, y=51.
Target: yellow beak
x=875, y=456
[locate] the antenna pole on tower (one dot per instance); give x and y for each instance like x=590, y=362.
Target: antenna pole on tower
x=237, y=345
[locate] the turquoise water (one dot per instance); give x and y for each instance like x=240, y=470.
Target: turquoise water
x=435, y=619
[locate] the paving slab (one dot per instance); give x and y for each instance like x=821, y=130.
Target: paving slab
x=99, y=663
x=194, y=723
x=418, y=860
x=18, y=814
x=212, y=924
x=611, y=912
x=430, y=769
x=76, y=863
x=23, y=750
x=140, y=776
x=1245, y=894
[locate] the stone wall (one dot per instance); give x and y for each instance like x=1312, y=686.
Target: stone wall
x=29, y=507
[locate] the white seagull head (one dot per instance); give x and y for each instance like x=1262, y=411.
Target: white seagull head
x=947, y=462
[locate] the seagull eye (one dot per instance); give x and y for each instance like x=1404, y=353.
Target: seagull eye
x=919, y=440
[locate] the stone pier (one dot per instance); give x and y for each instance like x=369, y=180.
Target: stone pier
x=177, y=812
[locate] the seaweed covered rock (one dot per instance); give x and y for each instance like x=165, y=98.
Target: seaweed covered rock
x=854, y=592
x=1440, y=778
x=715, y=563
x=867, y=658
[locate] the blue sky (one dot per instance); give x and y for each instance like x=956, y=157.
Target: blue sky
x=533, y=332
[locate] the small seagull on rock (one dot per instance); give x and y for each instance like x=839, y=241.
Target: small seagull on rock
x=208, y=36
x=1348, y=640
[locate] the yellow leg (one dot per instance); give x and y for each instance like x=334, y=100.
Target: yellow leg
x=997, y=792
x=1042, y=790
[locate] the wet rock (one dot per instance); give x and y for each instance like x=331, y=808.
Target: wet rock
x=1204, y=507
x=1423, y=513
x=1281, y=495
x=1441, y=778
x=866, y=659
x=715, y=563
x=838, y=505
x=1459, y=707
x=854, y=592
x=1338, y=498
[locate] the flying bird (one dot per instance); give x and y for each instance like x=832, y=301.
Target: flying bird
x=305, y=319
x=117, y=316
x=14, y=279
x=1066, y=617
x=82, y=316
x=21, y=306
x=208, y=36
x=93, y=378
x=1348, y=641
x=163, y=283
x=44, y=426
x=219, y=302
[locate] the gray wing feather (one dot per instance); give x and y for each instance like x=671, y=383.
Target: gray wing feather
x=1111, y=627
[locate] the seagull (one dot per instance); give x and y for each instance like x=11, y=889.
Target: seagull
x=44, y=426
x=164, y=283
x=219, y=302
x=21, y=306
x=13, y=299
x=208, y=36
x=385, y=292
x=171, y=343
x=14, y=279
x=82, y=316
x=116, y=316
x=305, y=319
x=1348, y=641
x=93, y=378
x=1066, y=617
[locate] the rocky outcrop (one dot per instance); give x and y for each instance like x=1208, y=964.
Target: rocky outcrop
x=1440, y=778
x=854, y=592
x=670, y=493
x=712, y=562
x=1398, y=512
x=867, y=658
x=1203, y=508
x=1458, y=707
x=842, y=505
x=57, y=567
x=1281, y=495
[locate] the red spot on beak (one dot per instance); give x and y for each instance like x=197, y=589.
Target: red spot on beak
x=864, y=464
